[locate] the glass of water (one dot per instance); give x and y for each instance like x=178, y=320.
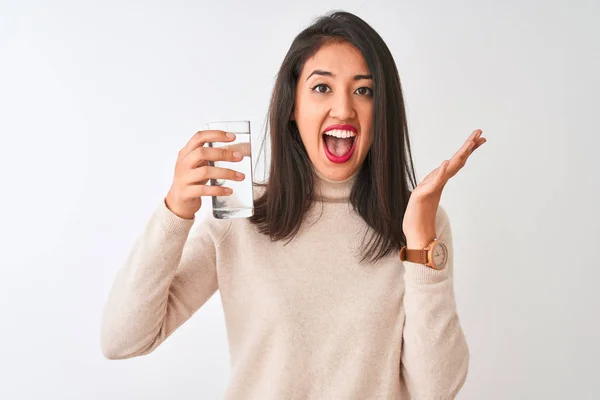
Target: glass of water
x=239, y=204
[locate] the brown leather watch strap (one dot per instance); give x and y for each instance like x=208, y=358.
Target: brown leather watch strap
x=416, y=256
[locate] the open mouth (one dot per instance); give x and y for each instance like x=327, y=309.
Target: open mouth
x=339, y=145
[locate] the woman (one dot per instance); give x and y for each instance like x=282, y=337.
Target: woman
x=318, y=304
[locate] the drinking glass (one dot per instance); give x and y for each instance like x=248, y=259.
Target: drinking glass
x=239, y=204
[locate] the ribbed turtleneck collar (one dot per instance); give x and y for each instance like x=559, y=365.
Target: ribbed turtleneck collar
x=328, y=190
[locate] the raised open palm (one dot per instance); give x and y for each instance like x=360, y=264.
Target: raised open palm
x=419, y=219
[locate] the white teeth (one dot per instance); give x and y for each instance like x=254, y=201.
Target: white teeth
x=340, y=133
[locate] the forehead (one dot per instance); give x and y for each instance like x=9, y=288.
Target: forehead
x=343, y=59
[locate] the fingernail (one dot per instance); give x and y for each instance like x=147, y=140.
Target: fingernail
x=230, y=135
x=237, y=154
x=239, y=175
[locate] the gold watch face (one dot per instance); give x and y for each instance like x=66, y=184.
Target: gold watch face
x=440, y=255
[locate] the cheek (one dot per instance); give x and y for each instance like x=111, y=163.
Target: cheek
x=308, y=130
x=368, y=127
x=366, y=144
x=309, y=122
x=304, y=112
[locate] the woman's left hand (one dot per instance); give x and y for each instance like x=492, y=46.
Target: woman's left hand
x=419, y=220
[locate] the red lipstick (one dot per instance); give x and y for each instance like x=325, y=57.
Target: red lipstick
x=344, y=127
x=332, y=157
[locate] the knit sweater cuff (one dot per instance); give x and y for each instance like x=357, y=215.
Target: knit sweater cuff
x=419, y=273
x=171, y=223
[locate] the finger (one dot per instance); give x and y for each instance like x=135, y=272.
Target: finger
x=203, y=190
x=442, y=172
x=200, y=138
x=201, y=154
x=473, y=138
x=468, y=148
x=475, y=134
x=243, y=148
x=202, y=175
x=459, y=158
x=477, y=139
x=477, y=144
x=480, y=142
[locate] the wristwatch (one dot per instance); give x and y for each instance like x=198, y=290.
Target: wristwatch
x=434, y=255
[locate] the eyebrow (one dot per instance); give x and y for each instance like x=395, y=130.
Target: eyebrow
x=327, y=73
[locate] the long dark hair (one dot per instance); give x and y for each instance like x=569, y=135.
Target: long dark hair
x=381, y=191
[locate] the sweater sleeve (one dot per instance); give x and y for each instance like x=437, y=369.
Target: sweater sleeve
x=169, y=274
x=435, y=355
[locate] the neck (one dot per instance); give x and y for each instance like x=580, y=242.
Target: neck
x=328, y=190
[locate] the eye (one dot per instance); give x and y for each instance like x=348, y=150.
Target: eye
x=363, y=91
x=319, y=85
x=369, y=91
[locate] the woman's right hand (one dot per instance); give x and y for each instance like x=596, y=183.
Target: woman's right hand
x=192, y=172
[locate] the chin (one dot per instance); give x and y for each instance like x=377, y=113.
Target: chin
x=337, y=173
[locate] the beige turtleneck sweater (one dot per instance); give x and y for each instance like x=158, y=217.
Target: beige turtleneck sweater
x=304, y=320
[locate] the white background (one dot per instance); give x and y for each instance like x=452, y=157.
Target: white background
x=96, y=99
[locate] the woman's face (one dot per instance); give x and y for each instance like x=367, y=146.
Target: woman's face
x=335, y=88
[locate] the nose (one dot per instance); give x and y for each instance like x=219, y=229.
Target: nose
x=342, y=107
